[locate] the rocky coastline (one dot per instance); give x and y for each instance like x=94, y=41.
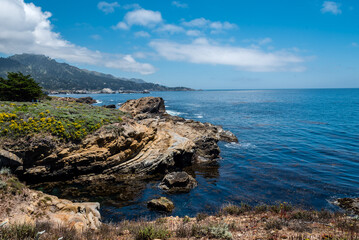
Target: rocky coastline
x=118, y=158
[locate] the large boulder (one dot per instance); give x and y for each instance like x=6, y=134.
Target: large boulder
x=155, y=105
x=161, y=204
x=178, y=182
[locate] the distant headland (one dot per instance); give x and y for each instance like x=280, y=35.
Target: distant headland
x=64, y=78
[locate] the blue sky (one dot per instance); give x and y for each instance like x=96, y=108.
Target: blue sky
x=199, y=44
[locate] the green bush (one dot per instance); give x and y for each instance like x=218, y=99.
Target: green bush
x=20, y=88
x=151, y=232
x=18, y=232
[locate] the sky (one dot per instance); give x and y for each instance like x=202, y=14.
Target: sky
x=257, y=44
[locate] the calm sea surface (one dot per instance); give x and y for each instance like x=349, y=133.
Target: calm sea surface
x=298, y=146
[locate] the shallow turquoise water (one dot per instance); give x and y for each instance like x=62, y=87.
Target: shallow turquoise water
x=299, y=146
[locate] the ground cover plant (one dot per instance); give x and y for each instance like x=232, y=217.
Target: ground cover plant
x=69, y=121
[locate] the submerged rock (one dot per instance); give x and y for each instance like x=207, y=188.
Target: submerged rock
x=178, y=182
x=161, y=204
x=350, y=204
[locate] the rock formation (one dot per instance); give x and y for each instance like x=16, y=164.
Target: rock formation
x=178, y=182
x=20, y=205
x=140, y=147
x=161, y=204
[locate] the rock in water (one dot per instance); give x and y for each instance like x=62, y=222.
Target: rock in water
x=178, y=182
x=350, y=204
x=87, y=100
x=109, y=106
x=161, y=204
x=154, y=105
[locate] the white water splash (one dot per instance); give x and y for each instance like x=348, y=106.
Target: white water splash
x=175, y=113
x=240, y=145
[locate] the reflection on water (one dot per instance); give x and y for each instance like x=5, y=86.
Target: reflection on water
x=299, y=146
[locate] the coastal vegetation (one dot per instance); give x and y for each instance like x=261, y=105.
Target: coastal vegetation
x=69, y=121
x=20, y=88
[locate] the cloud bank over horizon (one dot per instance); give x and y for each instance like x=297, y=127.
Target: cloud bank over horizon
x=28, y=30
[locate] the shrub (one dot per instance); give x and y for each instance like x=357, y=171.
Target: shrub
x=151, y=232
x=231, y=209
x=303, y=215
x=20, y=88
x=5, y=171
x=18, y=232
x=220, y=231
x=184, y=231
x=201, y=216
x=274, y=224
x=3, y=184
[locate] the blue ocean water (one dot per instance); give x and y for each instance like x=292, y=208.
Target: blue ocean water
x=297, y=146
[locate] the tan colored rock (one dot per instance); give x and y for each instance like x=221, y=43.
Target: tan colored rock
x=154, y=105
x=161, y=204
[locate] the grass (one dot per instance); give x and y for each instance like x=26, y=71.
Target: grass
x=69, y=121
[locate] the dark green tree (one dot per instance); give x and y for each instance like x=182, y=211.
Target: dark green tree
x=20, y=88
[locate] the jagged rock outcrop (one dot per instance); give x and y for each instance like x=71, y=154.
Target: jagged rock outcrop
x=147, y=144
x=178, y=182
x=144, y=105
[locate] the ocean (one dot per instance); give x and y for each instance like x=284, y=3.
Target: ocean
x=299, y=146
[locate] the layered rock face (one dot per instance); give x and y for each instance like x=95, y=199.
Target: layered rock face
x=150, y=142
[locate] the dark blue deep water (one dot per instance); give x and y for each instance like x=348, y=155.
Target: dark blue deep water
x=298, y=146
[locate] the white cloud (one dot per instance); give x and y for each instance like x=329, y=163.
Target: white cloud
x=264, y=41
x=331, y=7
x=198, y=22
x=215, y=27
x=96, y=37
x=354, y=44
x=141, y=17
x=107, y=7
x=29, y=30
x=179, y=4
x=142, y=34
x=201, y=51
x=170, y=28
x=193, y=33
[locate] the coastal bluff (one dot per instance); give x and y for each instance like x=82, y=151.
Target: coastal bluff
x=148, y=141
x=117, y=158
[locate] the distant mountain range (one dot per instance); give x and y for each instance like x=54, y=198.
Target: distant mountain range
x=55, y=76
